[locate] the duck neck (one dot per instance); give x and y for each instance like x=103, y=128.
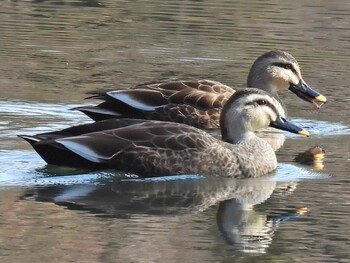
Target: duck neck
x=234, y=131
x=243, y=138
x=262, y=81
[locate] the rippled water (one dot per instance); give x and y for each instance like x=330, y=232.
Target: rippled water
x=52, y=52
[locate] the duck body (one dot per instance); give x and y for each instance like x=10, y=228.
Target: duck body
x=156, y=148
x=194, y=102
x=159, y=148
x=199, y=102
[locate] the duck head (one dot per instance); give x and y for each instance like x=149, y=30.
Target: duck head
x=249, y=110
x=277, y=71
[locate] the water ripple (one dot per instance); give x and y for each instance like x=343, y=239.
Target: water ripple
x=25, y=168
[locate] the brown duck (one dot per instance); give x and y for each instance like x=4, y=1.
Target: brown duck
x=199, y=102
x=155, y=148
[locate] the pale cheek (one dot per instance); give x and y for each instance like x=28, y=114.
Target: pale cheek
x=282, y=83
x=279, y=80
x=294, y=79
x=259, y=123
x=283, y=78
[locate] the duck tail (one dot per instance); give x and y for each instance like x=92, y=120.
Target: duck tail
x=31, y=139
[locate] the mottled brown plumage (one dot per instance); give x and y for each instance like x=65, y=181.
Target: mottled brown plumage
x=199, y=102
x=196, y=103
x=155, y=148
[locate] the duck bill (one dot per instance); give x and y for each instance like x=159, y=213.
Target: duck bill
x=282, y=124
x=305, y=92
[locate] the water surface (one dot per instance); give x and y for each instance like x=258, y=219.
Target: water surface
x=53, y=52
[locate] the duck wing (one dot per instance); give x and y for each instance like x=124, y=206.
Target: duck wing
x=147, y=149
x=197, y=103
x=88, y=128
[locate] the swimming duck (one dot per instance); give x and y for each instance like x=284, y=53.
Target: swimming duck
x=156, y=148
x=199, y=102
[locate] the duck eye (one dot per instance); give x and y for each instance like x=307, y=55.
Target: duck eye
x=261, y=102
x=288, y=66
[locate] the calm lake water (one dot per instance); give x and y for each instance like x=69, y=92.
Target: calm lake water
x=53, y=52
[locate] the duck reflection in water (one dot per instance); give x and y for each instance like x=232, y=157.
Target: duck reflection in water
x=242, y=227
x=249, y=230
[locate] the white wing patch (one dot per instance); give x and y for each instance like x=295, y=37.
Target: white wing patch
x=130, y=99
x=99, y=110
x=82, y=150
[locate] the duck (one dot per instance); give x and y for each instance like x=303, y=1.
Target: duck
x=159, y=148
x=199, y=102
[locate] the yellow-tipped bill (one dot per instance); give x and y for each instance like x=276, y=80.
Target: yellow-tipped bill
x=283, y=124
x=319, y=101
x=301, y=209
x=304, y=132
x=321, y=98
x=305, y=92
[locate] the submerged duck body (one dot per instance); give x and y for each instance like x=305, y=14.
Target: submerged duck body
x=199, y=102
x=155, y=148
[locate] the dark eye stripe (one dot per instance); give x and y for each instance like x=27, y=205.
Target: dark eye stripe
x=285, y=66
x=267, y=104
